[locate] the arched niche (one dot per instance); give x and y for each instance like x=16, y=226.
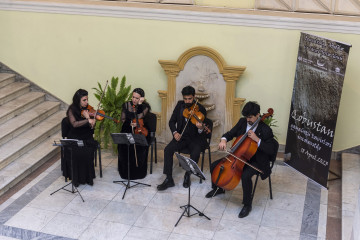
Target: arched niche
x=174, y=70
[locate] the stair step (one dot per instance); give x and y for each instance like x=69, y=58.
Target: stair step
x=28, y=163
x=20, y=105
x=6, y=78
x=26, y=120
x=12, y=91
x=23, y=143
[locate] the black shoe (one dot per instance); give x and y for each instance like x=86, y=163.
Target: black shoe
x=245, y=211
x=212, y=192
x=168, y=182
x=187, y=181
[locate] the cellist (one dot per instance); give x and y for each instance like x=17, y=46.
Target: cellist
x=263, y=136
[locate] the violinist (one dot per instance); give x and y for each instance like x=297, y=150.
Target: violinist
x=81, y=127
x=190, y=136
x=264, y=138
x=133, y=112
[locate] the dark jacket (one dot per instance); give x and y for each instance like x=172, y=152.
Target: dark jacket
x=177, y=123
x=268, y=145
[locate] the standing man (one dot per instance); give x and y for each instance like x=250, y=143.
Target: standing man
x=267, y=150
x=186, y=136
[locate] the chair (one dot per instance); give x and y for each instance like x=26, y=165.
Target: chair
x=65, y=129
x=209, y=124
x=150, y=123
x=271, y=166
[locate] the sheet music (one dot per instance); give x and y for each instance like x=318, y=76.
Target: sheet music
x=130, y=138
x=189, y=161
x=190, y=164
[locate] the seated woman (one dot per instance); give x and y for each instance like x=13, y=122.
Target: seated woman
x=137, y=107
x=82, y=128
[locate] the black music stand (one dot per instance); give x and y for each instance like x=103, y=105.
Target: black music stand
x=190, y=167
x=129, y=139
x=70, y=144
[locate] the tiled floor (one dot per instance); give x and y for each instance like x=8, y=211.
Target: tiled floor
x=298, y=210
x=350, y=196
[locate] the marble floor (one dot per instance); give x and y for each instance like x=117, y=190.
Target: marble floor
x=298, y=210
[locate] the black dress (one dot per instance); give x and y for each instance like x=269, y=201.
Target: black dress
x=140, y=171
x=83, y=157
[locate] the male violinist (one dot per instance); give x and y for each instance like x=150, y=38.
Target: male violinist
x=186, y=135
x=267, y=149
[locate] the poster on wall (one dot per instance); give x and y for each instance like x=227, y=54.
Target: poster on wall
x=319, y=77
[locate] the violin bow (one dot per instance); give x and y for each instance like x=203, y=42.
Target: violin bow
x=132, y=129
x=102, y=95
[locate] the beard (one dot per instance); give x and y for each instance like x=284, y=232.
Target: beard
x=187, y=105
x=250, y=123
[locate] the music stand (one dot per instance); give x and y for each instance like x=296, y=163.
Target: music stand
x=129, y=139
x=70, y=144
x=190, y=167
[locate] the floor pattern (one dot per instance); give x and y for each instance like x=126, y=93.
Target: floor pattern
x=298, y=210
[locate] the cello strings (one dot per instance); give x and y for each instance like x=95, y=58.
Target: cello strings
x=245, y=162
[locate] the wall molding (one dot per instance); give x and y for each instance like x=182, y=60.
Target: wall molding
x=166, y=14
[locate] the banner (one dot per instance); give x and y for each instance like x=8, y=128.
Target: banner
x=319, y=77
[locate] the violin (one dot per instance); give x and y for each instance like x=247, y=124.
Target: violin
x=194, y=115
x=98, y=115
x=140, y=128
x=227, y=173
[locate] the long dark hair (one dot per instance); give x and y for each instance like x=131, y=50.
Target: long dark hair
x=141, y=92
x=75, y=106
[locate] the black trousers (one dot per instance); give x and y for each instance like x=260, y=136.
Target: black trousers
x=246, y=181
x=193, y=147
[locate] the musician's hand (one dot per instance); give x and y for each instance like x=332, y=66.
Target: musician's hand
x=199, y=125
x=141, y=100
x=253, y=136
x=133, y=124
x=92, y=122
x=177, y=136
x=222, y=144
x=86, y=114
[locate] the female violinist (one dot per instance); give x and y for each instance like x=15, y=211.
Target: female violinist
x=263, y=137
x=81, y=127
x=133, y=114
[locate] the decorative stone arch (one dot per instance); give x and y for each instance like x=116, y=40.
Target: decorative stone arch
x=230, y=74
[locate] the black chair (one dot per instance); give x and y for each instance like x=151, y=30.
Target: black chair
x=209, y=124
x=150, y=124
x=272, y=162
x=65, y=129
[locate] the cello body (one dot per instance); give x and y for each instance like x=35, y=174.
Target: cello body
x=227, y=173
x=229, y=168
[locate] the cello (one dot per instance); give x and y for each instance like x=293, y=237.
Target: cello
x=227, y=173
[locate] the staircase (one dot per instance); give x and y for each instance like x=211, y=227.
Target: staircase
x=28, y=126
